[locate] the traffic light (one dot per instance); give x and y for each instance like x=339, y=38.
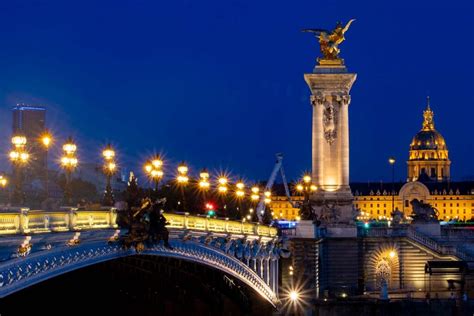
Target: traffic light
x=210, y=209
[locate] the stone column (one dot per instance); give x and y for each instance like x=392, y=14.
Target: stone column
x=330, y=87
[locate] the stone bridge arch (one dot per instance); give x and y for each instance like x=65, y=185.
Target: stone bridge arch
x=20, y=273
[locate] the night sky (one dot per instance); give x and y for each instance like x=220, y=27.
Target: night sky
x=220, y=84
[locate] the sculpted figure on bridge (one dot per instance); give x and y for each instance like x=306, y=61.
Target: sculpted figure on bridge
x=423, y=212
x=146, y=225
x=329, y=40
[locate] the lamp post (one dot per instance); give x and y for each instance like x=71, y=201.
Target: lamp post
x=239, y=194
x=153, y=169
x=46, y=140
x=68, y=163
x=391, y=161
x=222, y=191
x=182, y=179
x=204, y=186
x=110, y=167
x=19, y=158
x=306, y=187
x=254, y=198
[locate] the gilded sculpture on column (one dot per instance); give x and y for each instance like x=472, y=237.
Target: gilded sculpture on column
x=329, y=42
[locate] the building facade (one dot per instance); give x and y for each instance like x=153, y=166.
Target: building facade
x=30, y=121
x=428, y=180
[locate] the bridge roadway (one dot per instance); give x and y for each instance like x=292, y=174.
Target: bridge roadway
x=37, y=245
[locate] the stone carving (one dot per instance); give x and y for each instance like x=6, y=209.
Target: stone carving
x=330, y=214
x=423, y=212
x=346, y=99
x=330, y=123
x=317, y=99
x=397, y=216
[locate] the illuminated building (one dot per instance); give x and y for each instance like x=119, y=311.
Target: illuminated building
x=428, y=157
x=428, y=181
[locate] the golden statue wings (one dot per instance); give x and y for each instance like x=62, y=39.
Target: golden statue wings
x=330, y=40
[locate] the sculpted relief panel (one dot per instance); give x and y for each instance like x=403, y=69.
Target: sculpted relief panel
x=330, y=115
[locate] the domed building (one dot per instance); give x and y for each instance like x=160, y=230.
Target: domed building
x=428, y=158
x=428, y=180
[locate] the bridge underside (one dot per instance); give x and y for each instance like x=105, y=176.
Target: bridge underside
x=21, y=273
x=141, y=284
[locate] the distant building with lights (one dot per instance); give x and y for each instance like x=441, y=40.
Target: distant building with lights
x=30, y=121
x=428, y=180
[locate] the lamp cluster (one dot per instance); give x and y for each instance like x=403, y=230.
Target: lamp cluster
x=69, y=160
x=154, y=171
x=18, y=154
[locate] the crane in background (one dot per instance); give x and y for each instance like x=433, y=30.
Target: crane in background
x=278, y=168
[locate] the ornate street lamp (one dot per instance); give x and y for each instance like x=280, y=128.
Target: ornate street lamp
x=306, y=187
x=46, y=141
x=204, y=183
x=204, y=186
x=68, y=163
x=254, y=199
x=19, y=158
x=109, y=168
x=391, y=161
x=239, y=194
x=222, y=189
x=153, y=169
x=182, y=179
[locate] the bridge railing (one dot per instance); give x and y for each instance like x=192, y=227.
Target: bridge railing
x=218, y=225
x=26, y=221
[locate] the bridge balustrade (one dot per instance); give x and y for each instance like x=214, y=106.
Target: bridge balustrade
x=24, y=220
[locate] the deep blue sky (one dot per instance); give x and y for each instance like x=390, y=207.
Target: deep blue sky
x=220, y=83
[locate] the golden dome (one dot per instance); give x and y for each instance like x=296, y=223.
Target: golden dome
x=428, y=138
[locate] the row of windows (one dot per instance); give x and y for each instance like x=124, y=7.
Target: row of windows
x=435, y=198
x=407, y=204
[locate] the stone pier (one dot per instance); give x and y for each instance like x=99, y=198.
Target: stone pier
x=330, y=86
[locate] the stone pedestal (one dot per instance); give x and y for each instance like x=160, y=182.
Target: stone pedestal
x=429, y=229
x=305, y=229
x=330, y=87
x=341, y=231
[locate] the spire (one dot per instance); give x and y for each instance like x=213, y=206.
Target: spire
x=428, y=123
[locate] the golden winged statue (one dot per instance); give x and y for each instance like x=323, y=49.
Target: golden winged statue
x=330, y=40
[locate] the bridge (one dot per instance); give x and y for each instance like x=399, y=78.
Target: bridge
x=37, y=245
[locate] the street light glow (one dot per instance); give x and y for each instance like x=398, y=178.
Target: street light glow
x=69, y=148
x=391, y=160
x=108, y=153
x=294, y=296
x=182, y=169
x=3, y=181
x=19, y=141
x=157, y=163
x=204, y=174
x=46, y=140
x=307, y=178
x=222, y=180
